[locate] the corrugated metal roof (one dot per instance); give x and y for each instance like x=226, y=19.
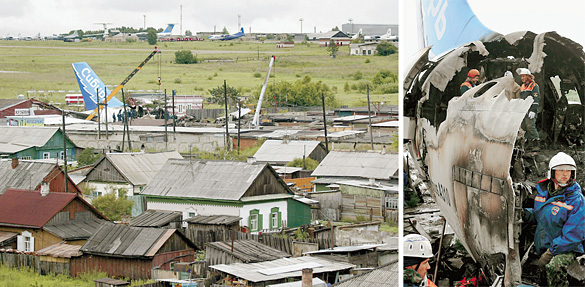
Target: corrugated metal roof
x=27, y=175
x=266, y=197
x=277, y=134
x=75, y=229
x=384, y=276
x=156, y=218
x=5, y=103
x=388, y=124
x=358, y=164
x=280, y=151
x=316, y=283
x=127, y=241
x=227, y=180
x=249, y=251
x=62, y=250
x=286, y=169
x=292, y=268
x=30, y=208
x=27, y=136
x=351, y=118
x=5, y=235
x=214, y=219
x=139, y=168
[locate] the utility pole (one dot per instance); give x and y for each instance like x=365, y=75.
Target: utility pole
x=301, y=20
x=370, y=117
x=325, y=123
x=105, y=104
x=181, y=19
x=99, y=112
x=227, y=133
x=144, y=27
x=239, y=121
x=64, y=153
x=174, y=123
x=165, y=115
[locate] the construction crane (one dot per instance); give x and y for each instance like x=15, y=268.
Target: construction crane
x=256, y=120
x=120, y=86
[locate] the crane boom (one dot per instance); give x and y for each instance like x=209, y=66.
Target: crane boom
x=256, y=120
x=121, y=85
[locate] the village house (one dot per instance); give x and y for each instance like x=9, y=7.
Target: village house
x=340, y=38
x=363, y=49
x=21, y=174
x=41, y=219
x=131, y=252
x=281, y=152
x=253, y=192
x=35, y=143
x=240, y=251
x=158, y=219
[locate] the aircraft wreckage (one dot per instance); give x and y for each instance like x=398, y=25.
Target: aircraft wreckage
x=470, y=148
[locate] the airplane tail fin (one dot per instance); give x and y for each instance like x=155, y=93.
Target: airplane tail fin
x=89, y=82
x=169, y=28
x=449, y=24
x=242, y=30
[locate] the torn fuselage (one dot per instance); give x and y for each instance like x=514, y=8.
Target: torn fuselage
x=466, y=145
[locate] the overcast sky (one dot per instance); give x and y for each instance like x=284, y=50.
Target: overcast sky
x=29, y=17
x=505, y=16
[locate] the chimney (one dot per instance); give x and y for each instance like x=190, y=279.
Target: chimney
x=14, y=162
x=44, y=188
x=307, y=277
x=251, y=160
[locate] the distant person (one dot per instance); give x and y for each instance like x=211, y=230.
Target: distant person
x=560, y=219
x=417, y=253
x=120, y=115
x=471, y=81
x=529, y=88
x=114, y=117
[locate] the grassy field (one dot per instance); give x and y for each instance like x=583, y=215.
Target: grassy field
x=27, y=67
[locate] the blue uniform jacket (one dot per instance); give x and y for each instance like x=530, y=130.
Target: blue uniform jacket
x=560, y=219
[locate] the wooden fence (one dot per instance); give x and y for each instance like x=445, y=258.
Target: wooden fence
x=19, y=260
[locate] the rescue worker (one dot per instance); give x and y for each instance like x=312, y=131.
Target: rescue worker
x=530, y=88
x=471, y=81
x=560, y=217
x=417, y=253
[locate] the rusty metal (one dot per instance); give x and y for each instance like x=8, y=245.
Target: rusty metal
x=439, y=251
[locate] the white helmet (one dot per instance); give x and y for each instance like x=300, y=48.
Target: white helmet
x=416, y=245
x=523, y=71
x=561, y=161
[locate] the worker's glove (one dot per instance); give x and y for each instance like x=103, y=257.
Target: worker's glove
x=531, y=115
x=545, y=258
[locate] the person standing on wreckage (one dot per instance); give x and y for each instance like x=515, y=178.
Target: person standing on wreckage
x=471, y=81
x=559, y=213
x=530, y=88
x=417, y=253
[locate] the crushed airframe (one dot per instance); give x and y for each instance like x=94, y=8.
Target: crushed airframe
x=470, y=148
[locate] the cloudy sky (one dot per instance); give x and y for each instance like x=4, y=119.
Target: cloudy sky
x=29, y=17
x=505, y=16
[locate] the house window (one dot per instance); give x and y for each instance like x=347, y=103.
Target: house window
x=369, y=52
x=392, y=202
x=97, y=194
x=275, y=218
x=26, y=157
x=60, y=155
x=46, y=155
x=255, y=220
x=364, y=52
x=191, y=214
x=25, y=242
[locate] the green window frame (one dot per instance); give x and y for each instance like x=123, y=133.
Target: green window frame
x=255, y=220
x=275, y=215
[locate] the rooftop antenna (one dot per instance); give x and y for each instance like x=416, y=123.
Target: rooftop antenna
x=181, y=19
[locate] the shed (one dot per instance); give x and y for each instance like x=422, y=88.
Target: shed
x=281, y=152
x=35, y=143
x=128, y=251
x=241, y=251
x=361, y=255
x=158, y=218
x=358, y=165
x=55, y=259
x=214, y=222
x=30, y=175
x=281, y=270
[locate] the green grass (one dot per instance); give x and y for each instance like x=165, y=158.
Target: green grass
x=46, y=65
x=26, y=277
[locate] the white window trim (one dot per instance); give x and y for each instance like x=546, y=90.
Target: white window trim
x=46, y=155
x=274, y=219
x=254, y=222
x=25, y=242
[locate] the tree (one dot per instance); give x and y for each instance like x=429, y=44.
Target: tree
x=310, y=164
x=225, y=31
x=302, y=92
x=290, y=38
x=188, y=33
x=332, y=48
x=185, y=57
x=151, y=36
x=386, y=49
x=113, y=207
x=87, y=157
x=335, y=29
x=217, y=95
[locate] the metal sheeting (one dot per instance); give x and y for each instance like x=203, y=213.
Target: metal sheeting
x=122, y=240
x=27, y=175
x=156, y=218
x=251, y=271
x=30, y=208
x=345, y=249
x=27, y=136
x=214, y=219
x=5, y=235
x=384, y=276
x=75, y=229
x=140, y=168
x=358, y=164
x=249, y=250
x=280, y=151
x=62, y=250
x=227, y=180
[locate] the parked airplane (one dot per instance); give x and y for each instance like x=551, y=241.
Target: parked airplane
x=226, y=37
x=167, y=32
x=469, y=148
x=357, y=35
x=386, y=37
x=92, y=89
x=71, y=37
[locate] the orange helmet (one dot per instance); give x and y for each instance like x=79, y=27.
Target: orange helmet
x=473, y=73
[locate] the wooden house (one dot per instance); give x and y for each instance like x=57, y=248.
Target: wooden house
x=253, y=192
x=33, y=175
x=42, y=219
x=240, y=251
x=131, y=252
x=281, y=152
x=35, y=143
x=158, y=219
